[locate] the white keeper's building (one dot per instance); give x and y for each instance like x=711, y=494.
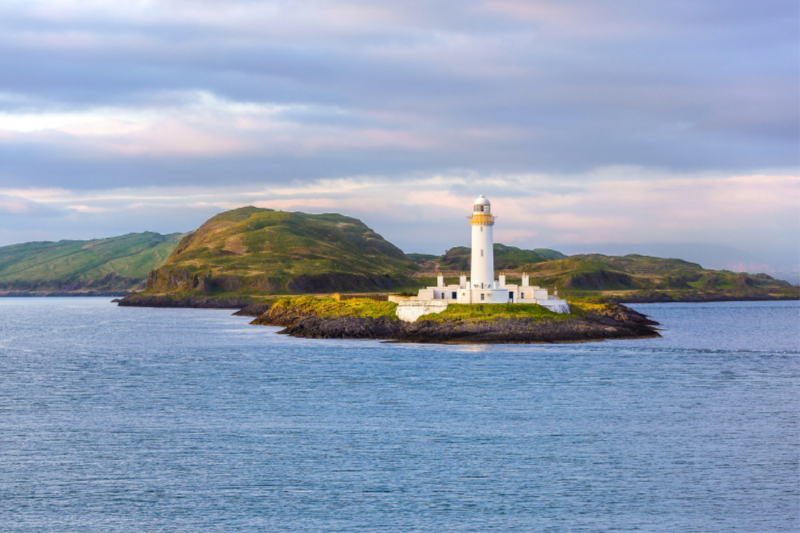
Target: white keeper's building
x=481, y=287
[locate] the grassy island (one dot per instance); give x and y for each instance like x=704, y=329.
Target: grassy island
x=362, y=318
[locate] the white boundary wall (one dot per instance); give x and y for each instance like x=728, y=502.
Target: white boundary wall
x=410, y=311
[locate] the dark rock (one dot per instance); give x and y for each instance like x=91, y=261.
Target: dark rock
x=228, y=283
x=170, y=280
x=203, y=302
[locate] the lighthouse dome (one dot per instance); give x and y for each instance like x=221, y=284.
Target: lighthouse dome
x=481, y=205
x=482, y=200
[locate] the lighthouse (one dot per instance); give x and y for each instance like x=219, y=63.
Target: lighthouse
x=481, y=287
x=482, y=267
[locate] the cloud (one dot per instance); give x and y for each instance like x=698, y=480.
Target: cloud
x=614, y=122
x=376, y=87
x=87, y=209
x=22, y=207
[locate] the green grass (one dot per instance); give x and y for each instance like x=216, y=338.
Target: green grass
x=52, y=264
x=489, y=312
x=332, y=308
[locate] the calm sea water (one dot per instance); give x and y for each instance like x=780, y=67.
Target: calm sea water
x=125, y=419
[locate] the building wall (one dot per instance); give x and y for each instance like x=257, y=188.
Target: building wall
x=483, y=296
x=440, y=293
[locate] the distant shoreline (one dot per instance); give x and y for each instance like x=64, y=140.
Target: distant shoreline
x=205, y=302
x=134, y=299
x=64, y=294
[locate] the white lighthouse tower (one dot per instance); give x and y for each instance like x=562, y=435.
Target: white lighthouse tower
x=481, y=288
x=482, y=266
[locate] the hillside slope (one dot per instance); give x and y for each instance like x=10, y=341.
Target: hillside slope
x=654, y=278
x=117, y=265
x=261, y=251
x=631, y=277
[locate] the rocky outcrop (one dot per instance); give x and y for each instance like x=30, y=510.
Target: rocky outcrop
x=156, y=300
x=169, y=280
x=619, y=322
x=180, y=279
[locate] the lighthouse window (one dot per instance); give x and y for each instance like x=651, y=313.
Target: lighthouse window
x=481, y=296
x=481, y=229
x=481, y=253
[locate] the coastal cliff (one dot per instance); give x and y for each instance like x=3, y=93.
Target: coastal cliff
x=481, y=325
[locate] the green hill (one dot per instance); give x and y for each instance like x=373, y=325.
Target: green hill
x=505, y=258
x=117, y=264
x=631, y=277
x=261, y=251
x=643, y=275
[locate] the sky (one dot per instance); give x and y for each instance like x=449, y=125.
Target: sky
x=623, y=126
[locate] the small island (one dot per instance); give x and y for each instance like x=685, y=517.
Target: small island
x=478, y=309
x=363, y=318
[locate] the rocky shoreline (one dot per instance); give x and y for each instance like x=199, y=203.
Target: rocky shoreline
x=193, y=302
x=618, y=322
x=57, y=294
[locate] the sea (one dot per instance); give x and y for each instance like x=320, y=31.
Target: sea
x=119, y=419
